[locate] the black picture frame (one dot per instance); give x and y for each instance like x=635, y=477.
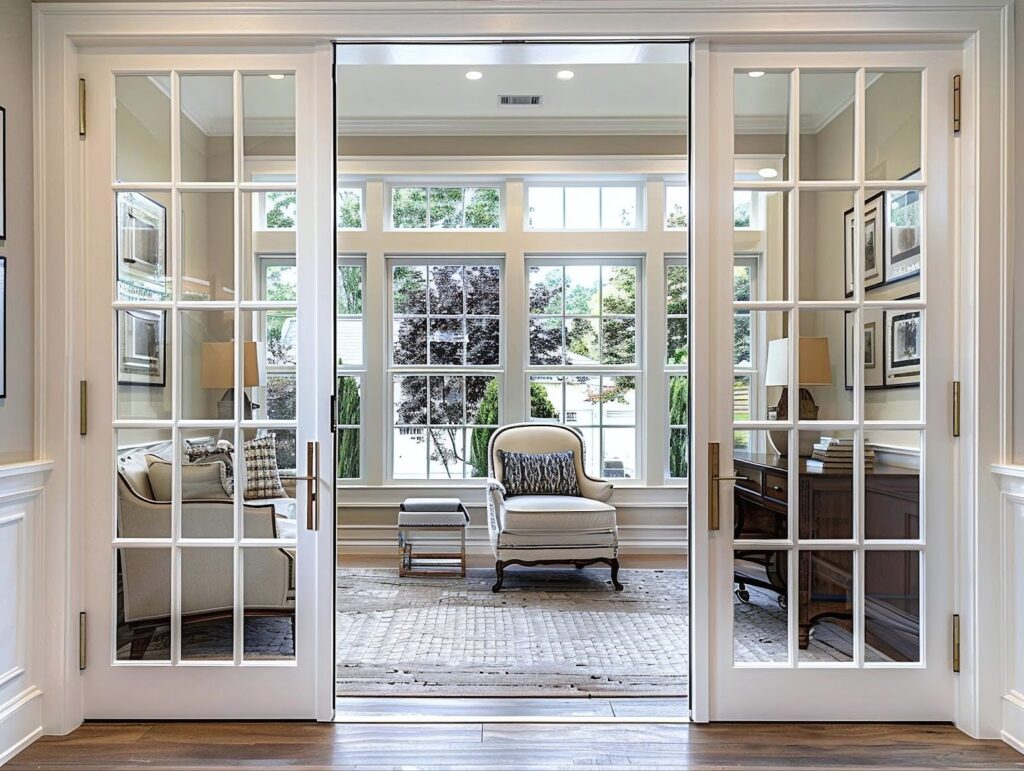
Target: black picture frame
x=3, y=174
x=877, y=243
x=909, y=368
x=877, y=325
x=3, y=327
x=134, y=273
x=124, y=377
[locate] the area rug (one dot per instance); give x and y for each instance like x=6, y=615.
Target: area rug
x=549, y=632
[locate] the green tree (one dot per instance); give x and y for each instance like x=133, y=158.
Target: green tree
x=678, y=401
x=540, y=407
x=348, y=438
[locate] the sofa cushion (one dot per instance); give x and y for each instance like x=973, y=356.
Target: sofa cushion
x=549, y=473
x=262, y=479
x=556, y=513
x=208, y=451
x=199, y=481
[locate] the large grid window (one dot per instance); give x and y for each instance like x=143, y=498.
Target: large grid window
x=584, y=354
x=445, y=321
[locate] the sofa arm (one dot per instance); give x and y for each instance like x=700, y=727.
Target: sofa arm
x=495, y=504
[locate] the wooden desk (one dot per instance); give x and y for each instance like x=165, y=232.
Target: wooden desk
x=825, y=577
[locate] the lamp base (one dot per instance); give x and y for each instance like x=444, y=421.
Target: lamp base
x=226, y=406
x=779, y=440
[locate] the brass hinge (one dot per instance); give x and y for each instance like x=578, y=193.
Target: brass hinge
x=956, y=104
x=81, y=640
x=956, y=408
x=81, y=107
x=83, y=408
x=956, y=642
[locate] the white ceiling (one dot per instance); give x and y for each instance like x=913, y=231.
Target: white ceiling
x=641, y=98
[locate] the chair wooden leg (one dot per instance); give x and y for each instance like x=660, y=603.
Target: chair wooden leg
x=615, y=575
x=499, y=572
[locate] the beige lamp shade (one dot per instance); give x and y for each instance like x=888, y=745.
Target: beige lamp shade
x=219, y=367
x=815, y=363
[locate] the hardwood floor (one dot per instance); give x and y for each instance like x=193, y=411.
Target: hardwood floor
x=275, y=745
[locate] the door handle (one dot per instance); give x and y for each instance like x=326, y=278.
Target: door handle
x=714, y=479
x=312, y=480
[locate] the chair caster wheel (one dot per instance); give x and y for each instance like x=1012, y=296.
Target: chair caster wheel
x=743, y=595
x=782, y=602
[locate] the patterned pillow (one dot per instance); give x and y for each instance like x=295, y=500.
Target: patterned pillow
x=209, y=451
x=550, y=473
x=261, y=475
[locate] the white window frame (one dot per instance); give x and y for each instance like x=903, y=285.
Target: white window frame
x=464, y=370
x=463, y=184
x=601, y=183
x=636, y=370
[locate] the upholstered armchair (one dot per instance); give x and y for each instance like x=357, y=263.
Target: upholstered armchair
x=548, y=529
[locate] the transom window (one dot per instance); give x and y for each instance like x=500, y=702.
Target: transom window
x=448, y=207
x=584, y=206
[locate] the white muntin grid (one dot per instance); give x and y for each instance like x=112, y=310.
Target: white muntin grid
x=791, y=307
x=239, y=307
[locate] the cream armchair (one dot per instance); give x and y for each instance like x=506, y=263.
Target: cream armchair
x=548, y=529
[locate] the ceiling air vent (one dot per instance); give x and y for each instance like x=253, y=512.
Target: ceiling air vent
x=519, y=99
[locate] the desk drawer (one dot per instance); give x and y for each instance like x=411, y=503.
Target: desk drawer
x=776, y=485
x=754, y=481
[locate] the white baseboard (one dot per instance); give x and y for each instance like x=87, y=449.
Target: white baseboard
x=478, y=547
x=21, y=723
x=1013, y=721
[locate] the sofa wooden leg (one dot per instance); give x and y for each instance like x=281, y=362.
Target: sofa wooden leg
x=615, y=575
x=499, y=572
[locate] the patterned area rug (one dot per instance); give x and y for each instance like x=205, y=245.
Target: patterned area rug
x=549, y=632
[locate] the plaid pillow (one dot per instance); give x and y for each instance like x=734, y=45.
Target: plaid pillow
x=209, y=451
x=550, y=473
x=261, y=476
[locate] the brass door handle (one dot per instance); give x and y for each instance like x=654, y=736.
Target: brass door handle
x=312, y=480
x=714, y=479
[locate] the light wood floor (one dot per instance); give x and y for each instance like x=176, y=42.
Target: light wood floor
x=268, y=746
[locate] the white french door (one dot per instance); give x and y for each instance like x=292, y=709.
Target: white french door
x=833, y=224
x=207, y=502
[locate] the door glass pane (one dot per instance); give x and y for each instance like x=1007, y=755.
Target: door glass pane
x=825, y=256
x=208, y=246
x=759, y=354
x=892, y=486
x=760, y=241
x=826, y=124
x=903, y=351
x=269, y=603
x=208, y=365
x=143, y=581
x=145, y=364
x=268, y=115
x=825, y=615
x=207, y=482
x=904, y=254
x=141, y=245
x=207, y=128
x=143, y=118
x=826, y=483
x=760, y=597
x=143, y=511
x=207, y=603
x=761, y=124
x=892, y=606
x=892, y=124
x=268, y=253
x=349, y=421
x=822, y=395
x=761, y=497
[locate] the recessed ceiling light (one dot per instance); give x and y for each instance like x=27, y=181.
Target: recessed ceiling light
x=474, y=75
x=756, y=73
x=565, y=75
x=276, y=76
x=768, y=173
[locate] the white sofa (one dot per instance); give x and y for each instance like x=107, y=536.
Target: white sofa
x=207, y=586
x=549, y=529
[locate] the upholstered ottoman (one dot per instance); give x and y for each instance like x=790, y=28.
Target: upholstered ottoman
x=432, y=521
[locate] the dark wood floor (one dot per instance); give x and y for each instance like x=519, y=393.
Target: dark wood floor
x=269, y=745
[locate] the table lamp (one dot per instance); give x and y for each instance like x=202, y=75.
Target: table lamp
x=815, y=369
x=218, y=371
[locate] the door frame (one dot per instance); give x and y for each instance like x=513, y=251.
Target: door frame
x=60, y=31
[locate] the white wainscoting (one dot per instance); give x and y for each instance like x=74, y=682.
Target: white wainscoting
x=21, y=709
x=1011, y=481
x=652, y=520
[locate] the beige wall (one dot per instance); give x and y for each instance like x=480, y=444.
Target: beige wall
x=17, y=439
x=666, y=144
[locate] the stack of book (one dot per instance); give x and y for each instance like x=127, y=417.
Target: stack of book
x=831, y=454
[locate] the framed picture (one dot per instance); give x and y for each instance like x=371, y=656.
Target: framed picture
x=872, y=347
x=3, y=327
x=141, y=347
x=3, y=174
x=141, y=241
x=903, y=235
x=902, y=348
x=874, y=227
